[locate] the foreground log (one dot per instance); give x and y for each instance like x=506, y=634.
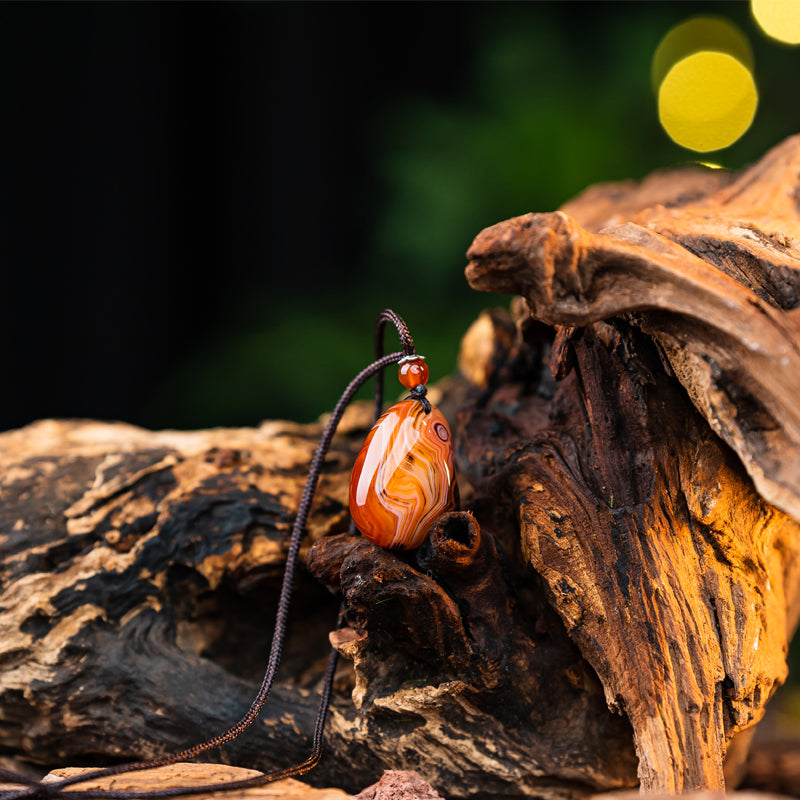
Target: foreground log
x=139, y=578
x=625, y=576
x=139, y=573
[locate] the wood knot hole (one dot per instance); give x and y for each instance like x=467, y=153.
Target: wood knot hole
x=457, y=529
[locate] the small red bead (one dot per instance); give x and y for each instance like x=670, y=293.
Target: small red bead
x=413, y=372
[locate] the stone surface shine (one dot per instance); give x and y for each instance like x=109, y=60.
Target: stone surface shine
x=403, y=478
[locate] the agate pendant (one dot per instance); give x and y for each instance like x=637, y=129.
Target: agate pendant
x=403, y=478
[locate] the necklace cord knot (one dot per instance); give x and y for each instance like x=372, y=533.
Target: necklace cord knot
x=418, y=393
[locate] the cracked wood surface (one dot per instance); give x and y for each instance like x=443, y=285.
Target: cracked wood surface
x=671, y=558
x=138, y=579
x=715, y=281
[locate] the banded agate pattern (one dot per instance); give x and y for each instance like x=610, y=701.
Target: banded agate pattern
x=403, y=478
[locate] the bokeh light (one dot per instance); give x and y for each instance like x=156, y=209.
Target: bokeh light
x=779, y=19
x=707, y=101
x=695, y=35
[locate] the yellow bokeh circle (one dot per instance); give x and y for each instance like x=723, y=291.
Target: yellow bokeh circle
x=697, y=35
x=707, y=101
x=779, y=19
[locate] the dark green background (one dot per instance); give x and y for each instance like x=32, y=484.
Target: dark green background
x=203, y=207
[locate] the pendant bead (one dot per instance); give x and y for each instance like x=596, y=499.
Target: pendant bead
x=404, y=477
x=413, y=372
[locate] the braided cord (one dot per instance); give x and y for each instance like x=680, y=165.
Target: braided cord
x=387, y=315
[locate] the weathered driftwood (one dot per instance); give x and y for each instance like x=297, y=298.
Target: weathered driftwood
x=676, y=578
x=613, y=534
x=466, y=673
x=139, y=573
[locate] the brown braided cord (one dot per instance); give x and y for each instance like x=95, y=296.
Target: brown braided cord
x=387, y=315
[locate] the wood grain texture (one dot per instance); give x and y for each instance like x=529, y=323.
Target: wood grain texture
x=715, y=281
x=671, y=558
x=137, y=584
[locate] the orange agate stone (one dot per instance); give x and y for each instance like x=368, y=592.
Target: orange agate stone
x=403, y=478
x=413, y=372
